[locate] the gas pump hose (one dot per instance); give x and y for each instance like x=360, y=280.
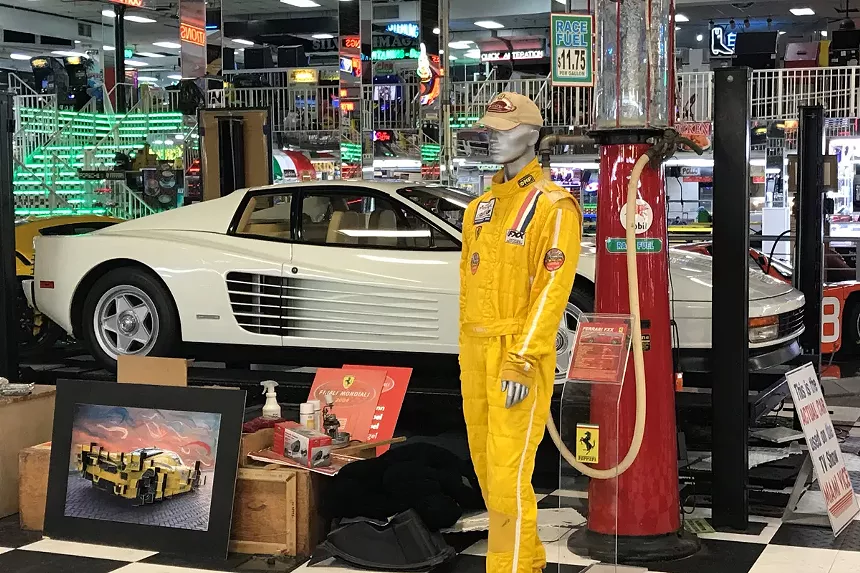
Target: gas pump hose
x=638, y=357
x=662, y=149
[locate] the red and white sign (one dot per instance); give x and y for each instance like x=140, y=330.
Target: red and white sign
x=600, y=350
x=132, y=3
x=356, y=392
x=823, y=446
x=390, y=402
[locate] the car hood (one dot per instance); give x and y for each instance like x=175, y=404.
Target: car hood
x=692, y=277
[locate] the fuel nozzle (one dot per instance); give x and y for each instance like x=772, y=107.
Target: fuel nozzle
x=331, y=424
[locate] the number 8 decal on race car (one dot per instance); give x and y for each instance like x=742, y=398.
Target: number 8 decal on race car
x=830, y=330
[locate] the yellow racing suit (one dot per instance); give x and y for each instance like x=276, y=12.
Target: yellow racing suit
x=521, y=243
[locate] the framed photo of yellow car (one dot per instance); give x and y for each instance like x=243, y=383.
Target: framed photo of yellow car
x=149, y=467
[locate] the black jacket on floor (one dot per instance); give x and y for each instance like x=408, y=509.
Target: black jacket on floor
x=434, y=482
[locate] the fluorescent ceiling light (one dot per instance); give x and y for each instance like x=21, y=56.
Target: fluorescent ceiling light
x=681, y=18
x=151, y=55
x=241, y=50
x=781, y=32
x=301, y=3
x=322, y=36
x=77, y=41
x=436, y=31
x=108, y=13
x=452, y=58
x=66, y=54
x=174, y=77
x=169, y=45
x=802, y=11
x=146, y=79
x=20, y=57
x=108, y=48
x=139, y=19
x=677, y=28
x=489, y=24
x=135, y=63
x=461, y=45
x=243, y=42
x=699, y=37
x=823, y=33
x=473, y=54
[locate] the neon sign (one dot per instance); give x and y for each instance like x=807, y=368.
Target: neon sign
x=517, y=55
x=395, y=54
x=192, y=34
x=722, y=41
x=132, y=3
x=352, y=42
x=409, y=29
x=382, y=136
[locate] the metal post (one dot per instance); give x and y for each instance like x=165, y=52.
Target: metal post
x=730, y=311
x=809, y=267
x=119, y=57
x=11, y=287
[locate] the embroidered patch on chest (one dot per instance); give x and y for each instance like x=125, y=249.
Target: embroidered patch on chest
x=515, y=237
x=474, y=262
x=553, y=259
x=485, y=211
x=526, y=181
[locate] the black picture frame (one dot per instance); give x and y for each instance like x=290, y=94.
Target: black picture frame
x=228, y=402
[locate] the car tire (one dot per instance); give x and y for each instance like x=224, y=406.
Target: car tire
x=851, y=331
x=128, y=311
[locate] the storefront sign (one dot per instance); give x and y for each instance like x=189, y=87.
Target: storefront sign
x=395, y=54
x=133, y=3
x=722, y=41
x=101, y=175
x=823, y=446
x=699, y=132
x=409, y=29
x=572, y=49
x=304, y=76
x=619, y=245
x=383, y=136
x=517, y=55
x=380, y=41
x=192, y=34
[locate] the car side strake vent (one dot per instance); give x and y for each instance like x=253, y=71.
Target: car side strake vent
x=331, y=310
x=256, y=302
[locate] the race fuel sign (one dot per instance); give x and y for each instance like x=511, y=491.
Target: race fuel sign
x=572, y=45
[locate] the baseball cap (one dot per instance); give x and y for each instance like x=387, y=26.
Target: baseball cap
x=508, y=110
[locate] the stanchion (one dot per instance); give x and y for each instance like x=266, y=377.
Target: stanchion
x=8, y=314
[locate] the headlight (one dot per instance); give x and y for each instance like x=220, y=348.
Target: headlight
x=764, y=328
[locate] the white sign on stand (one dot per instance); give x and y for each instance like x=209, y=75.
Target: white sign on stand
x=824, y=450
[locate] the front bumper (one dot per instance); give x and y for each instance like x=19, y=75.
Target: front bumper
x=699, y=360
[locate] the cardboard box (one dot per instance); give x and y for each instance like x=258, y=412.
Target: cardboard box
x=304, y=445
x=274, y=510
x=33, y=463
x=153, y=370
x=24, y=421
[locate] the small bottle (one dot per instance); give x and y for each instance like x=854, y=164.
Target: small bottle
x=318, y=418
x=271, y=409
x=306, y=416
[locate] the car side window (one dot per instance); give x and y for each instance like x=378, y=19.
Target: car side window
x=365, y=219
x=267, y=216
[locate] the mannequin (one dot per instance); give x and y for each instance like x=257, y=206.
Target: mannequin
x=520, y=249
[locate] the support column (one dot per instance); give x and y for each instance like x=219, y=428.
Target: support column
x=11, y=287
x=119, y=58
x=809, y=203
x=730, y=306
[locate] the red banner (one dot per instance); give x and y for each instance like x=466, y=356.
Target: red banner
x=356, y=392
x=192, y=34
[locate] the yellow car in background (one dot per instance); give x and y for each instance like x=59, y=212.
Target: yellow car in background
x=37, y=333
x=144, y=476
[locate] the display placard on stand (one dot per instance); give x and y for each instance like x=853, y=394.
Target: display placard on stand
x=589, y=427
x=824, y=455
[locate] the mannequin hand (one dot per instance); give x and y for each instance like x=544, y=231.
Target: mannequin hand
x=516, y=392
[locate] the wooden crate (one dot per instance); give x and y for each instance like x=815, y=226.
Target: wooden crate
x=24, y=421
x=33, y=465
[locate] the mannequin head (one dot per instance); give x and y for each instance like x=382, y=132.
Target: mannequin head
x=515, y=145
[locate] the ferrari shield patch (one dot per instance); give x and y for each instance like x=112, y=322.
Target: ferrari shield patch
x=553, y=259
x=478, y=232
x=485, y=211
x=474, y=262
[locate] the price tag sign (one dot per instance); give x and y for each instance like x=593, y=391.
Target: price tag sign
x=601, y=348
x=572, y=49
x=823, y=446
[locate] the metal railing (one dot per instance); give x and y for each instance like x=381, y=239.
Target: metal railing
x=694, y=92
x=390, y=106
x=290, y=109
x=777, y=94
x=123, y=202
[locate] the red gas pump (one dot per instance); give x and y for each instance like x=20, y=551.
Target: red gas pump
x=634, y=512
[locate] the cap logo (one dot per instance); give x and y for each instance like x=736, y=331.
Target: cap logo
x=501, y=105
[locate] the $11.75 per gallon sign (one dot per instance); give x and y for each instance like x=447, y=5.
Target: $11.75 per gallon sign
x=572, y=44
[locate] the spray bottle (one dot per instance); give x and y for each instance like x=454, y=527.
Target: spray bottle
x=271, y=409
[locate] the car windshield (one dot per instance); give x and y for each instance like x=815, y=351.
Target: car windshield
x=445, y=202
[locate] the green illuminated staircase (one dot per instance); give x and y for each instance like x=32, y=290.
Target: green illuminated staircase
x=51, y=145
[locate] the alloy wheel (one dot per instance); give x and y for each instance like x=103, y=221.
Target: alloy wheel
x=125, y=321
